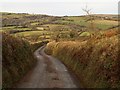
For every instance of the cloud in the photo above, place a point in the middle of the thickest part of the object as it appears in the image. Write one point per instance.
(60, 8)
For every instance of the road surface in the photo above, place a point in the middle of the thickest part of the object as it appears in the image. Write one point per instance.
(48, 73)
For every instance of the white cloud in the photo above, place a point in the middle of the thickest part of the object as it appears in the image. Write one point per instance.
(60, 8)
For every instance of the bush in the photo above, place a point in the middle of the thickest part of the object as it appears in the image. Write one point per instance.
(95, 62)
(85, 34)
(38, 44)
(17, 59)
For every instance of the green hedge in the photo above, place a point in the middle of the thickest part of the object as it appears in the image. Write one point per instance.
(17, 59)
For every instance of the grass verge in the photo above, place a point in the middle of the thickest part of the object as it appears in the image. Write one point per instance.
(95, 62)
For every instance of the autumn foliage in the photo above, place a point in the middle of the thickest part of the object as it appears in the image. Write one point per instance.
(96, 62)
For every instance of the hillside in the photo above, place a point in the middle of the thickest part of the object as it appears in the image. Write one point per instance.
(37, 27)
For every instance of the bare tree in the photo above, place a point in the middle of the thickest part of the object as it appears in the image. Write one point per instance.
(90, 17)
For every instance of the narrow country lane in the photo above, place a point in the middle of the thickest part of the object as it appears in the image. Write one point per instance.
(48, 73)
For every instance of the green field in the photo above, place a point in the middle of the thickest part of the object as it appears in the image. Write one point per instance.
(28, 25)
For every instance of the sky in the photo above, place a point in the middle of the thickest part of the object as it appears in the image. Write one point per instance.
(59, 7)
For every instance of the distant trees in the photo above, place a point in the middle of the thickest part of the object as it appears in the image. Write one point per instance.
(35, 37)
(56, 36)
(56, 33)
(73, 34)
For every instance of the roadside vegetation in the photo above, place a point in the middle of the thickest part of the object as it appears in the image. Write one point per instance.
(95, 62)
(17, 59)
(87, 45)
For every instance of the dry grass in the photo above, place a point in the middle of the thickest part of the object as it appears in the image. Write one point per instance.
(96, 61)
(106, 22)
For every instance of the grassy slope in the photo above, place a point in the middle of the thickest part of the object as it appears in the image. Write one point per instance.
(95, 62)
(101, 24)
(27, 25)
(17, 59)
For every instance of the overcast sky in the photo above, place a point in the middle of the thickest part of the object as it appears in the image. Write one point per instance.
(59, 7)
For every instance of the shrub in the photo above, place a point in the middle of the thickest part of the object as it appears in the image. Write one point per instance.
(95, 62)
(38, 44)
(85, 34)
(17, 59)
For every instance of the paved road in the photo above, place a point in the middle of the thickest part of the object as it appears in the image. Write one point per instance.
(48, 73)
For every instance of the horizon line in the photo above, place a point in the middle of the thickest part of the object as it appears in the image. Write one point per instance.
(57, 15)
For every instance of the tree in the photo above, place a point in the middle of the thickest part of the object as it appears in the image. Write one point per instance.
(35, 38)
(56, 33)
(90, 17)
(72, 34)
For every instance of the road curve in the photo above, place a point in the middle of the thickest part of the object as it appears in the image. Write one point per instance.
(49, 72)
